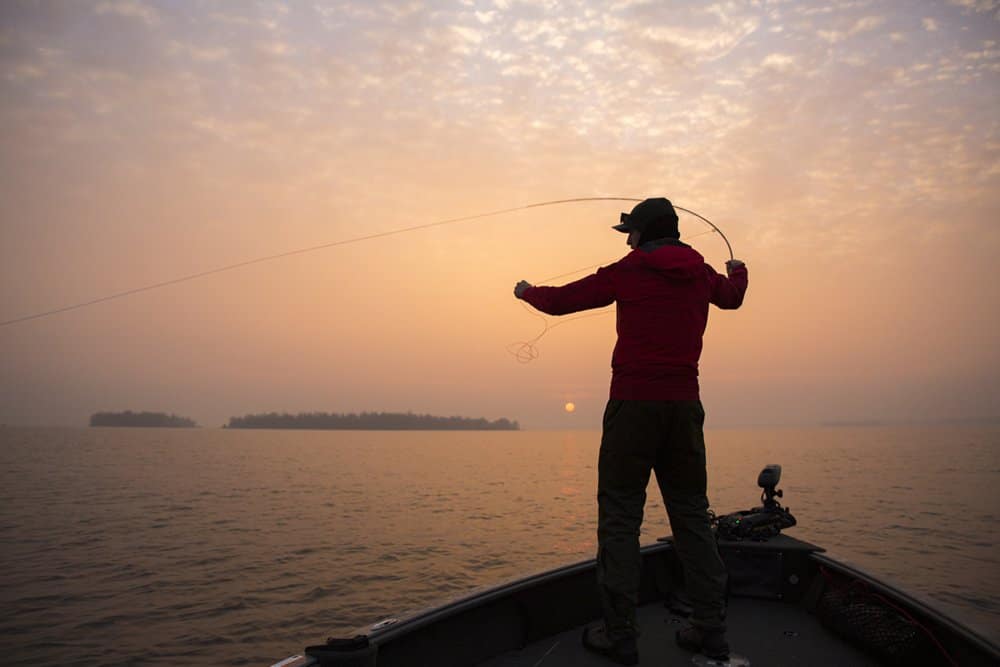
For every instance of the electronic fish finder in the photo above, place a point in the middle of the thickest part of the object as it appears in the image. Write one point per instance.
(761, 522)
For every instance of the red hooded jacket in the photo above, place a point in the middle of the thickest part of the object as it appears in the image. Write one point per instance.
(662, 291)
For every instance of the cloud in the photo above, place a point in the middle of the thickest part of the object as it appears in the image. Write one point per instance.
(978, 6)
(988, 52)
(832, 36)
(930, 25)
(781, 62)
(862, 25)
(598, 47)
(866, 24)
(525, 80)
(273, 48)
(703, 44)
(129, 9)
(20, 73)
(198, 53)
(470, 35)
(531, 30)
(557, 41)
(399, 11)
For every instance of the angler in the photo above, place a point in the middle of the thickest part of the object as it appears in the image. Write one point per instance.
(653, 421)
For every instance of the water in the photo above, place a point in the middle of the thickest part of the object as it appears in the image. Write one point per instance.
(195, 547)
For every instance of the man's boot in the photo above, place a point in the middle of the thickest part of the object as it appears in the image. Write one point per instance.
(710, 643)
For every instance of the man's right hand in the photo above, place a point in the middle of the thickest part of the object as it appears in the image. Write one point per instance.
(520, 288)
(733, 264)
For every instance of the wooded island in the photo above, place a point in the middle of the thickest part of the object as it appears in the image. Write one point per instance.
(151, 419)
(375, 421)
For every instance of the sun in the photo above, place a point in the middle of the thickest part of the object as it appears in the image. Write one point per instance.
(570, 407)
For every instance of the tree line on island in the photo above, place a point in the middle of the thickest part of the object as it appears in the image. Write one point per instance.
(378, 421)
(366, 421)
(129, 418)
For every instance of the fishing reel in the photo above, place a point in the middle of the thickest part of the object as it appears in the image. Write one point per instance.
(762, 522)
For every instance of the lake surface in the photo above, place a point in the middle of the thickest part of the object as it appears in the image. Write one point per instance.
(229, 547)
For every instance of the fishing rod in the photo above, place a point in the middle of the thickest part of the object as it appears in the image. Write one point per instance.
(356, 239)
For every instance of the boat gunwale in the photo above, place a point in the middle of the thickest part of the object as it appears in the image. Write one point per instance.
(489, 593)
(924, 606)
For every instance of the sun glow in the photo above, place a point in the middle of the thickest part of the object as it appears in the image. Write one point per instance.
(570, 407)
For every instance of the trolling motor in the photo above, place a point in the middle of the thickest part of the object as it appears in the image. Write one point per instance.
(762, 522)
(767, 480)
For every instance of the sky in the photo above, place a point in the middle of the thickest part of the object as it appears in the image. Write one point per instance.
(849, 151)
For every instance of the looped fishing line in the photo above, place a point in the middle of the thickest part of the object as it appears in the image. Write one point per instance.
(526, 351)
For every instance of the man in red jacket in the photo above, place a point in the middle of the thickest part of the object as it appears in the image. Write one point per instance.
(653, 421)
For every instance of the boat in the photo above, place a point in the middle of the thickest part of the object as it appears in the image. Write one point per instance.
(790, 604)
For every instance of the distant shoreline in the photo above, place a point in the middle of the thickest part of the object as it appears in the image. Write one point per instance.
(945, 421)
(832, 424)
(141, 419)
(369, 421)
(313, 421)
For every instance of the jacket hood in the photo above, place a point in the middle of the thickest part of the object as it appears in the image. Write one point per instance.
(670, 258)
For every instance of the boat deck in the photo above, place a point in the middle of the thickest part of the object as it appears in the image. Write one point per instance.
(765, 632)
(779, 589)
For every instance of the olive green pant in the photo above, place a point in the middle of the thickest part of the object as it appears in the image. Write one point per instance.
(665, 437)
